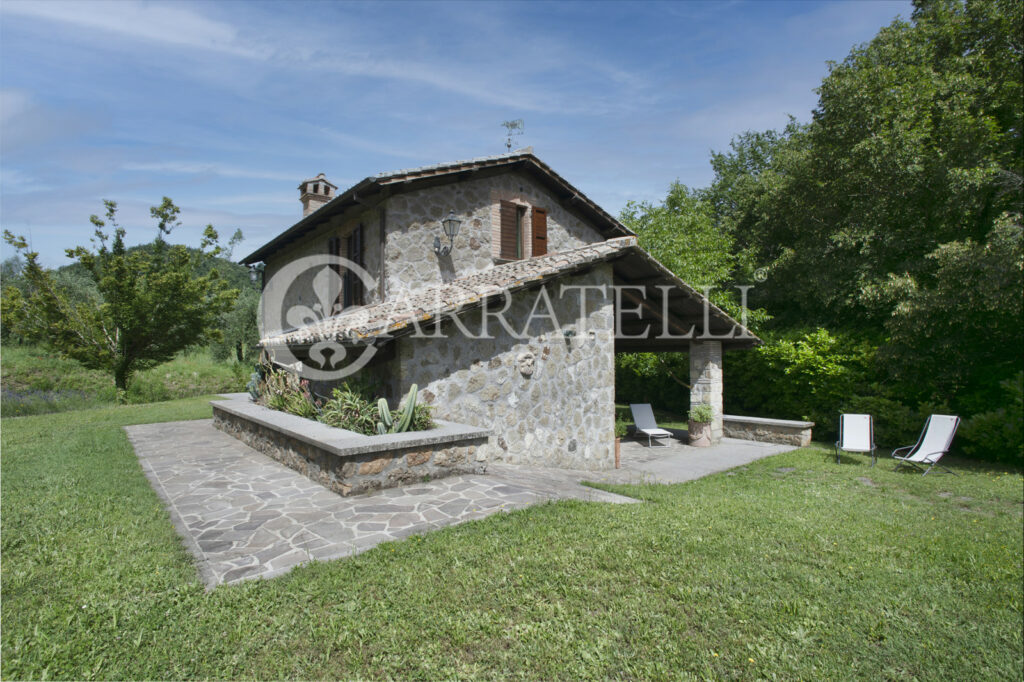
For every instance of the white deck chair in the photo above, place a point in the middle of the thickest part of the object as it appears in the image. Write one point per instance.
(643, 418)
(856, 434)
(931, 446)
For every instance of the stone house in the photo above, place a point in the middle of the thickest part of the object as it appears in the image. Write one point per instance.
(513, 328)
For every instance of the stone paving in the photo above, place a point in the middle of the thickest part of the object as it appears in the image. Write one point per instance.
(244, 516)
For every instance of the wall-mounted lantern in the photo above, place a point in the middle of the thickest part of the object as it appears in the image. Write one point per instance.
(451, 230)
(256, 276)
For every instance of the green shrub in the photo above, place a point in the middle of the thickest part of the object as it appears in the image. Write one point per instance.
(895, 424)
(701, 414)
(39, 381)
(809, 376)
(349, 409)
(998, 434)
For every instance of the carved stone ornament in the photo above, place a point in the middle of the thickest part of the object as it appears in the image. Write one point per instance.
(526, 362)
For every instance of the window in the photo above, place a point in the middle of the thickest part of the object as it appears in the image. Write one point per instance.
(509, 247)
(334, 249)
(516, 228)
(353, 290)
(539, 232)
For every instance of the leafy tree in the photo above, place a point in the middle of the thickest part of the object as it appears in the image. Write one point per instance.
(682, 234)
(893, 216)
(239, 328)
(915, 142)
(150, 304)
(961, 336)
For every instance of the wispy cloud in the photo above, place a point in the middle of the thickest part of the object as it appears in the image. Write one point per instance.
(182, 26)
(201, 168)
(170, 24)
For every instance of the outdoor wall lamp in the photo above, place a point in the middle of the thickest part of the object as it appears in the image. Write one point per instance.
(255, 272)
(451, 230)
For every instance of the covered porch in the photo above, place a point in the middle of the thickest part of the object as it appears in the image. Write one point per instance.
(656, 312)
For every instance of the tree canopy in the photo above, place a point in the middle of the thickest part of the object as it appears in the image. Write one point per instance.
(147, 303)
(892, 218)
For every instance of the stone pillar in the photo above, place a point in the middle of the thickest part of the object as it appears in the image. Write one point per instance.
(706, 381)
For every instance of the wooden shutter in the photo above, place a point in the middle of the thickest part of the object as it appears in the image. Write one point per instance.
(508, 247)
(334, 249)
(540, 232)
(353, 283)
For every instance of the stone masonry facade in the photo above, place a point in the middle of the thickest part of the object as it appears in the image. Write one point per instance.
(399, 232)
(549, 398)
(414, 219)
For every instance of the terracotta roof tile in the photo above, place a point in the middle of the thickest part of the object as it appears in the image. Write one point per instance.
(383, 319)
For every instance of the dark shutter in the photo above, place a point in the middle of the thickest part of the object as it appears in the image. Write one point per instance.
(353, 283)
(540, 232)
(334, 249)
(508, 247)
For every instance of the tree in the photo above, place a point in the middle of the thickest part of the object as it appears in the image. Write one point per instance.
(150, 303)
(682, 234)
(240, 328)
(916, 141)
(961, 335)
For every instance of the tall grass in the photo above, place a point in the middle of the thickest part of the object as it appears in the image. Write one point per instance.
(38, 381)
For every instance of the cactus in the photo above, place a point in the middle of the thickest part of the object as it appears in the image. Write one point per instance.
(405, 420)
(387, 423)
(385, 415)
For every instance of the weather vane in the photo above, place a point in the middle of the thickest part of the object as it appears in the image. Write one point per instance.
(513, 129)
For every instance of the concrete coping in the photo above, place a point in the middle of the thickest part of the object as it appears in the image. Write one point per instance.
(768, 422)
(341, 442)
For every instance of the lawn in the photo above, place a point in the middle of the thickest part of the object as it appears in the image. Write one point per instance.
(793, 567)
(38, 381)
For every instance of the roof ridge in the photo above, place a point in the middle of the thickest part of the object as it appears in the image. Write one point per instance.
(460, 162)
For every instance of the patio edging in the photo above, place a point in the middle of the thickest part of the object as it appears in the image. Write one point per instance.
(765, 430)
(350, 463)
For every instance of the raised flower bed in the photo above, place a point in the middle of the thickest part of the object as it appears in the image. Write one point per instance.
(347, 462)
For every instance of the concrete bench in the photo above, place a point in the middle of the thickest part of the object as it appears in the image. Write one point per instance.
(784, 431)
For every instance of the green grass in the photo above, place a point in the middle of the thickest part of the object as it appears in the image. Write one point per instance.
(824, 572)
(37, 381)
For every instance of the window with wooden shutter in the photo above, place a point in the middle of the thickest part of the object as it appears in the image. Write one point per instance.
(353, 291)
(510, 245)
(540, 232)
(334, 249)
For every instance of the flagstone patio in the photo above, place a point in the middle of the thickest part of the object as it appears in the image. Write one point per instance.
(244, 515)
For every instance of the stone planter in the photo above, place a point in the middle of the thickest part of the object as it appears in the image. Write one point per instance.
(350, 463)
(700, 434)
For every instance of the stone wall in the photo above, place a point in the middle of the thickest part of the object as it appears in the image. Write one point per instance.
(413, 220)
(765, 430)
(363, 470)
(561, 413)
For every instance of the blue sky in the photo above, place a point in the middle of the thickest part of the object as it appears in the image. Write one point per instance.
(226, 106)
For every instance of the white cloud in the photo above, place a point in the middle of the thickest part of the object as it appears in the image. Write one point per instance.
(149, 22)
(183, 26)
(200, 168)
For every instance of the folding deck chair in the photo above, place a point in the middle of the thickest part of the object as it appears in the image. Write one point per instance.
(643, 418)
(931, 446)
(856, 434)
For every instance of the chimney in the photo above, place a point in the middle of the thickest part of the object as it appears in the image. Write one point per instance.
(314, 193)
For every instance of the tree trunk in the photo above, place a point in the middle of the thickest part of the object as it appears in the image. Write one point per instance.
(121, 376)
(238, 351)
